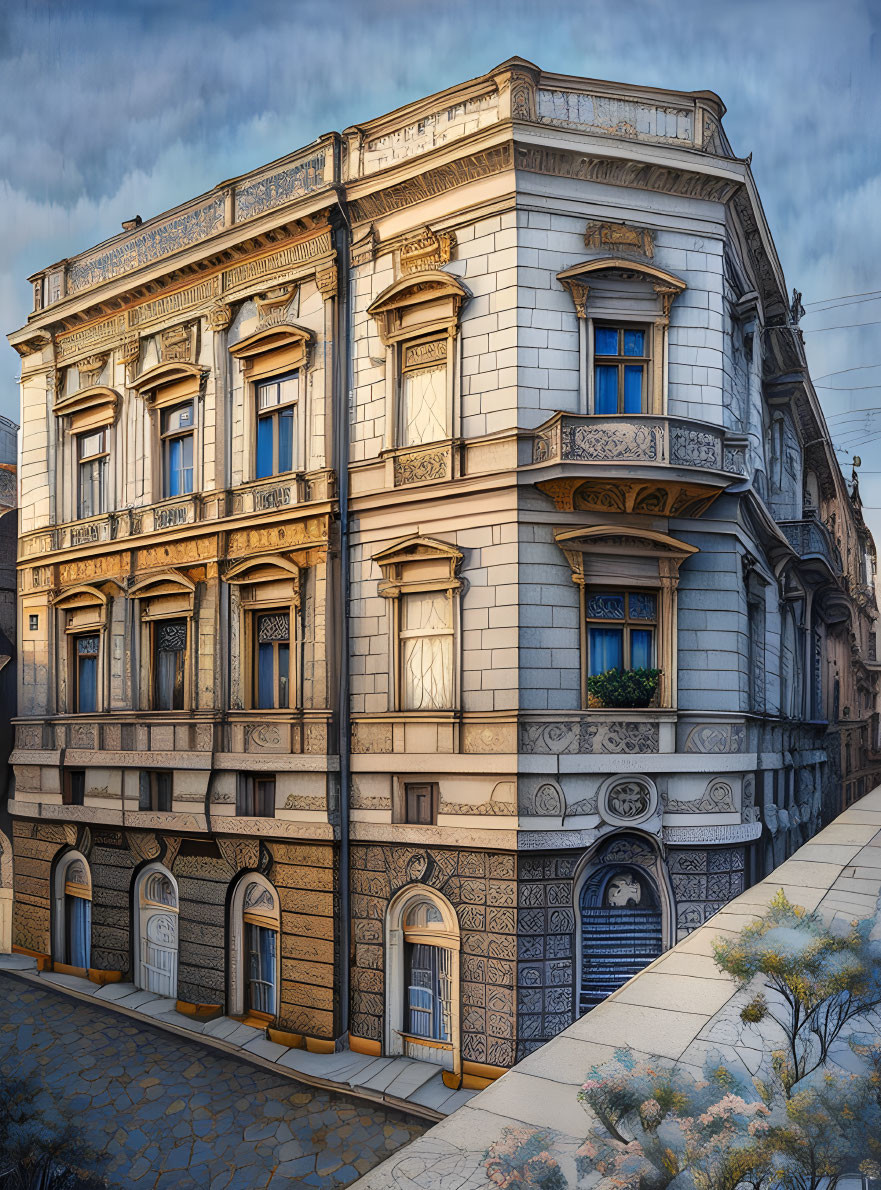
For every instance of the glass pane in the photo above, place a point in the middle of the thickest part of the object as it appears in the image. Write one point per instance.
(264, 798)
(633, 388)
(606, 649)
(86, 494)
(428, 678)
(165, 680)
(91, 444)
(79, 931)
(175, 455)
(641, 648)
(264, 447)
(289, 389)
(267, 395)
(87, 685)
(634, 342)
(424, 414)
(606, 395)
(180, 418)
(605, 341)
(643, 606)
(286, 440)
(605, 606)
(431, 611)
(187, 462)
(283, 668)
(265, 676)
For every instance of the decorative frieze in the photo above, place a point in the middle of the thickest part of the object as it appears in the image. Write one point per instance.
(588, 736)
(611, 115)
(426, 250)
(608, 238)
(86, 339)
(279, 187)
(275, 263)
(744, 832)
(422, 466)
(718, 798)
(716, 737)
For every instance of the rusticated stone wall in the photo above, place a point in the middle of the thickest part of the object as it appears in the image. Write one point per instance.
(111, 864)
(35, 846)
(481, 887)
(203, 882)
(305, 876)
(545, 948)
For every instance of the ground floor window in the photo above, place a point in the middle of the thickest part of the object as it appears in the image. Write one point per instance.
(260, 947)
(73, 908)
(254, 948)
(429, 992)
(621, 929)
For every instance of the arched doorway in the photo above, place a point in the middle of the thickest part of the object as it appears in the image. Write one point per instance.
(621, 917)
(422, 978)
(73, 911)
(157, 934)
(254, 948)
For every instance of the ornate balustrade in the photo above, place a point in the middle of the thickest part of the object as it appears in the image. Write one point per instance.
(811, 539)
(639, 439)
(273, 495)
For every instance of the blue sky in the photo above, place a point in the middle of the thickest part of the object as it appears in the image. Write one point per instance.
(115, 108)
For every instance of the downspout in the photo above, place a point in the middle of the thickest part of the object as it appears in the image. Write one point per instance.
(342, 389)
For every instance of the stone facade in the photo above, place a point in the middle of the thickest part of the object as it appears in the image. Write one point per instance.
(449, 787)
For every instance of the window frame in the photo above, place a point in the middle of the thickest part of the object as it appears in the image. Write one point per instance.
(273, 415)
(150, 791)
(401, 802)
(167, 438)
(627, 624)
(404, 370)
(71, 796)
(621, 361)
(155, 626)
(76, 679)
(248, 795)
(98, 463)
(403, 634)
(254, 614)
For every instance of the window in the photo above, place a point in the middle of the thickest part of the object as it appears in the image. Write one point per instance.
(73, 791)
(85, 650)
(426, 636)
(72, 930)
(423, 411)
(255, 796)
(276, 424)
(272, 635)
(155, 791)
(417, 803)
(177, 449)
(621, 629)
(428, 1006)
(253, 948)
(620, 369)
(92, 453)
(169, 656)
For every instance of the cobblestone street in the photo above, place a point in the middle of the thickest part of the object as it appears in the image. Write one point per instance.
(172, 1113)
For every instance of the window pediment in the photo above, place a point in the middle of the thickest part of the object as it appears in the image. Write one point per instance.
(265, 568)
(659, 552)
(271, 338)
(169, 381)
(577, 280)
(77, 597)
(163, 582)
(418, 303)
(98, 402)
(418, 563)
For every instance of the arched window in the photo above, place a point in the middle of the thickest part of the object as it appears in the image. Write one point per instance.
(254, 949)
(73, 911)
(423, 978)
(156, 903)
(620, 929)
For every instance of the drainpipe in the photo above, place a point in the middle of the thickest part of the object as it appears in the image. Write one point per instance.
(342, 362)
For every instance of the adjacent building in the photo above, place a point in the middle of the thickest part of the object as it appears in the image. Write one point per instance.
(437, 590)
(8, 681)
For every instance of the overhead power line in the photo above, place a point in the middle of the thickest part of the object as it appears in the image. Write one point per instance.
(841, 371)
(844, 326)
(841, 296)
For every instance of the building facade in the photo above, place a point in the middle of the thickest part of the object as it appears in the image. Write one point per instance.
(8, 681)
(437, 590)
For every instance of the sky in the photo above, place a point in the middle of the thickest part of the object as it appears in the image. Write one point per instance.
(116, 107)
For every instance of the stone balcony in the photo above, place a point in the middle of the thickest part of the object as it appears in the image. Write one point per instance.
(264, 496)
(813, 542)
(642, 463)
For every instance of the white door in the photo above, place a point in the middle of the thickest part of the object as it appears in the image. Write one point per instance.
(159, 952)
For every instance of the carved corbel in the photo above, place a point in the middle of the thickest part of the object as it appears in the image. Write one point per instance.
(580, 293)
(272, 305)
(90, 368)
(219, 316)
(666, 293)
(130, 353)
(326, 280)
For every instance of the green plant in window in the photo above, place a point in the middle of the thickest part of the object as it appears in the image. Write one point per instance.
(623, 687)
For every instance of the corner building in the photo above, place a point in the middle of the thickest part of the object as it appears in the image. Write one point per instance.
(342, 487)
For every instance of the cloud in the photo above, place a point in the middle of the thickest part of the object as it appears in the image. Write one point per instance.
(118, 107)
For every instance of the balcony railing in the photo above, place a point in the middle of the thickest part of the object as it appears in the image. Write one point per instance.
(272, 495)
(811, 539)
(640, 438)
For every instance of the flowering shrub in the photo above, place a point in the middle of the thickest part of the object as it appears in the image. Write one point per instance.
(520, 1158)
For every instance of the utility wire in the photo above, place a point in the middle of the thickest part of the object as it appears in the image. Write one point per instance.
(844, 326)
(841, 297)
(857, 368)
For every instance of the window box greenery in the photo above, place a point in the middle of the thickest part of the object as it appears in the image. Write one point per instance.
(623, 688)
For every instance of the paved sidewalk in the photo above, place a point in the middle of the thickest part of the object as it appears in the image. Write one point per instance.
(403, 1083)
(172, 1113)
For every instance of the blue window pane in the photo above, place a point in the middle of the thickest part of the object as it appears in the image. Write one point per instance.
(264, 447)
(79, 931)
(175, 456)
(265, 683)
(605, 607)
(643, 606)
(87, 684)
(633, 388)
(187, 465)
(606, 341)
(286, 440)
(634, 342)
(606, 397)
(641, 648)
(606, 649)
(283, 668)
